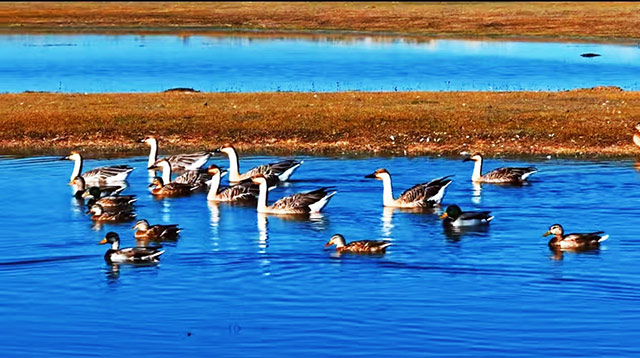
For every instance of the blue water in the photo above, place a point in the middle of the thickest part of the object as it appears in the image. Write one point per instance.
(239, 284)
(137, 63)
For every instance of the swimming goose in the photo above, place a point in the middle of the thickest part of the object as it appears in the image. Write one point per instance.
(170, 189)
(636, 135)
(100, 214)
(196, 178)
(80, 187)
(282, 169)
(245, 190)
(419, 196)
(358, 247)
(155, 232)
(192, 161)
(504, 175)
(455, 217)
(299, 203)
(109, 203)
(128, 254)
(107, 174)
(574, 241)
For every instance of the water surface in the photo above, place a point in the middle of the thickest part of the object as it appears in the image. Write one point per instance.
(236, 283)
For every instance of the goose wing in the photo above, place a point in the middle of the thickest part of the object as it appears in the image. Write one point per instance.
(104, 173)
(193, 177)
(271, 169)
(181, 161)
(426, 191)
(509, 174)
(301, 201)
(243, 191)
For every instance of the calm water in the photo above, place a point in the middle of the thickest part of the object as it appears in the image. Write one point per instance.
(244, 285)
(135, 63)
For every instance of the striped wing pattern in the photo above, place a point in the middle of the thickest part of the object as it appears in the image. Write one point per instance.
(507, 175)
(271, 169)
(422, 194)
(366, 246)
(104, 173)
(300, 202)
(181, 161)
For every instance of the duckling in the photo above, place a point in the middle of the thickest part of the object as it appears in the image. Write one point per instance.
(358, 247)
(574, 241)
(419, 196)
(100, 214)
(283, 169)
(109, 203)
(80, 187)
(102, 175)
(636, 135)
(129, 254)
(455, 217)
(171, 189)
(155, 232)
(300, 203)
(503, 175)
(192, 161)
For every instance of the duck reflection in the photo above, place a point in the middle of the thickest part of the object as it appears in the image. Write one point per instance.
(113, 270)
(455, 234)
(558, 255)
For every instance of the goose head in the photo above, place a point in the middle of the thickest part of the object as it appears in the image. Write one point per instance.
(337, 240)
(259, 179)
(214, 170)
(72, 156)
(379, 174)
(149, 140)
(473, 158)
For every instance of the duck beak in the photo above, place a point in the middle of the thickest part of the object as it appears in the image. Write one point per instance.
(104, 241)
(547, 233)
(328, 244)
(444, 216)
(372, 175)
(151, 185)
(86, 194)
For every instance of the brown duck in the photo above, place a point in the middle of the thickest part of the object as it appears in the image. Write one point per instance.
(358, 247)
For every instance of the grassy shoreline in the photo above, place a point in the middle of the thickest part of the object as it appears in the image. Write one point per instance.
(594, 122)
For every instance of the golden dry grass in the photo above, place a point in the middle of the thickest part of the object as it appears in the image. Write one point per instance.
(580, 122)
(605, 20)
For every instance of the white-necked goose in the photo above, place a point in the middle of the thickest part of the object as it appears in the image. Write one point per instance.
(196, 178)
(503, 175)
(191, 161)
(422, 195)
(283, 169)
(300, 203)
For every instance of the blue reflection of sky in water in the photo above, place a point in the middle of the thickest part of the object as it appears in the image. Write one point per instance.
(135, 63)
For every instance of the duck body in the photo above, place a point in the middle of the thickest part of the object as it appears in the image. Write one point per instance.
(155, 232)
(358, 247)
(80, 188)
(130, 254)
(100, 176)
(455, 217)
(503, 175)
(109, 203)
(191, 161)
(300, 203)
(575, 241)
(283, 169)
(425, 195)
(102, 215)
(171, 189)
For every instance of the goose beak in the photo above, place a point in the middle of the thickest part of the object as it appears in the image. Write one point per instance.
(223, 173)
(217, 150)
(546, 233)
(467, 159)
(64, 158)
(142, 140)
(372, 175)
(104, 241)
(444, 216)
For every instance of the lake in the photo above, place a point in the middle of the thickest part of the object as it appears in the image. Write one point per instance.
(246, 63)
(237, 283)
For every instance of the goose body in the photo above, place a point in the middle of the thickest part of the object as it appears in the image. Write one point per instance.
(130, 254)
(455, 217)
(283, 169)
(419, 196)
(101, 175)
(244, 191)
(575, 241)
(636, 135)
(300, 203)
(102, 215)
(197, 179)
(80, 187)
(171, 189)
(503, 175)
(358, 247)
(155, 232)
(191, 161)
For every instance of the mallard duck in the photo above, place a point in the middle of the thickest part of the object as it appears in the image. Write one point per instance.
(419, 196)
(109, 203)
(196, 178)
(100, 214)
(155, 232)
(358, 247)
(455, 217)
(171, 189)
(192, 161)
(80, 187)
(299, 203)
(129, 254)
(574, 241)
(636, 135)
(102, 175)
(283, 169)
(504, 175)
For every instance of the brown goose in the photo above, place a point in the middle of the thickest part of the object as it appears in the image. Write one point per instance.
(358, 247)
(300, 203)
(574, 241)
(283, 169)
(419, 196)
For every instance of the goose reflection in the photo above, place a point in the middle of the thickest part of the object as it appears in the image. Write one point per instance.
(476, 197)
(387, 221)
(214, 222)
(263, 243)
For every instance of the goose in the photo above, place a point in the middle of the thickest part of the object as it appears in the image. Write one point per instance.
(358, 247)
(419, 196)
(107, 174)
(574, 241)
(246, 190)
(129, 254)
(192, 161)
(155, 232)
(196, 178)
(171, 189)
(455, 217)
(299, 203)
(109, 203)
(636, 135)
(283, 169)
(100, 214)
(80, 187)
(504, 175)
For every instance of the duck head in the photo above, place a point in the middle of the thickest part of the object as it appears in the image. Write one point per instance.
(142, 225)
(111, 238)
(379, 174)
(96, 209)
(473, 158)
(337, 240)
(555, 229)
(94, 192)
(453, 212)
(157, 183)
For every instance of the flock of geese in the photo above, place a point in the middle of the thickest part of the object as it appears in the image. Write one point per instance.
(101, 188)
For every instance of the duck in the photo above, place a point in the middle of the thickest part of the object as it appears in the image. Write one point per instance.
(155, 232)
(503, 175)
(196, 178)
(101, 175)
(423, 195)
(192, 161)
(300, 203)
(129, 254)
(283, 169)
(575, 241)
(171, 189)
(357, 247)
(636, 135)
(109, 203)
(80, 187)
(455, 217)
(100, 214)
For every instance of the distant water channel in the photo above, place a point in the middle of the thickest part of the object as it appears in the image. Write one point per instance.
(242, 63)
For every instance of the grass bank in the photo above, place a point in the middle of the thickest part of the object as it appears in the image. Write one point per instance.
(591, 122)
(568, 20)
